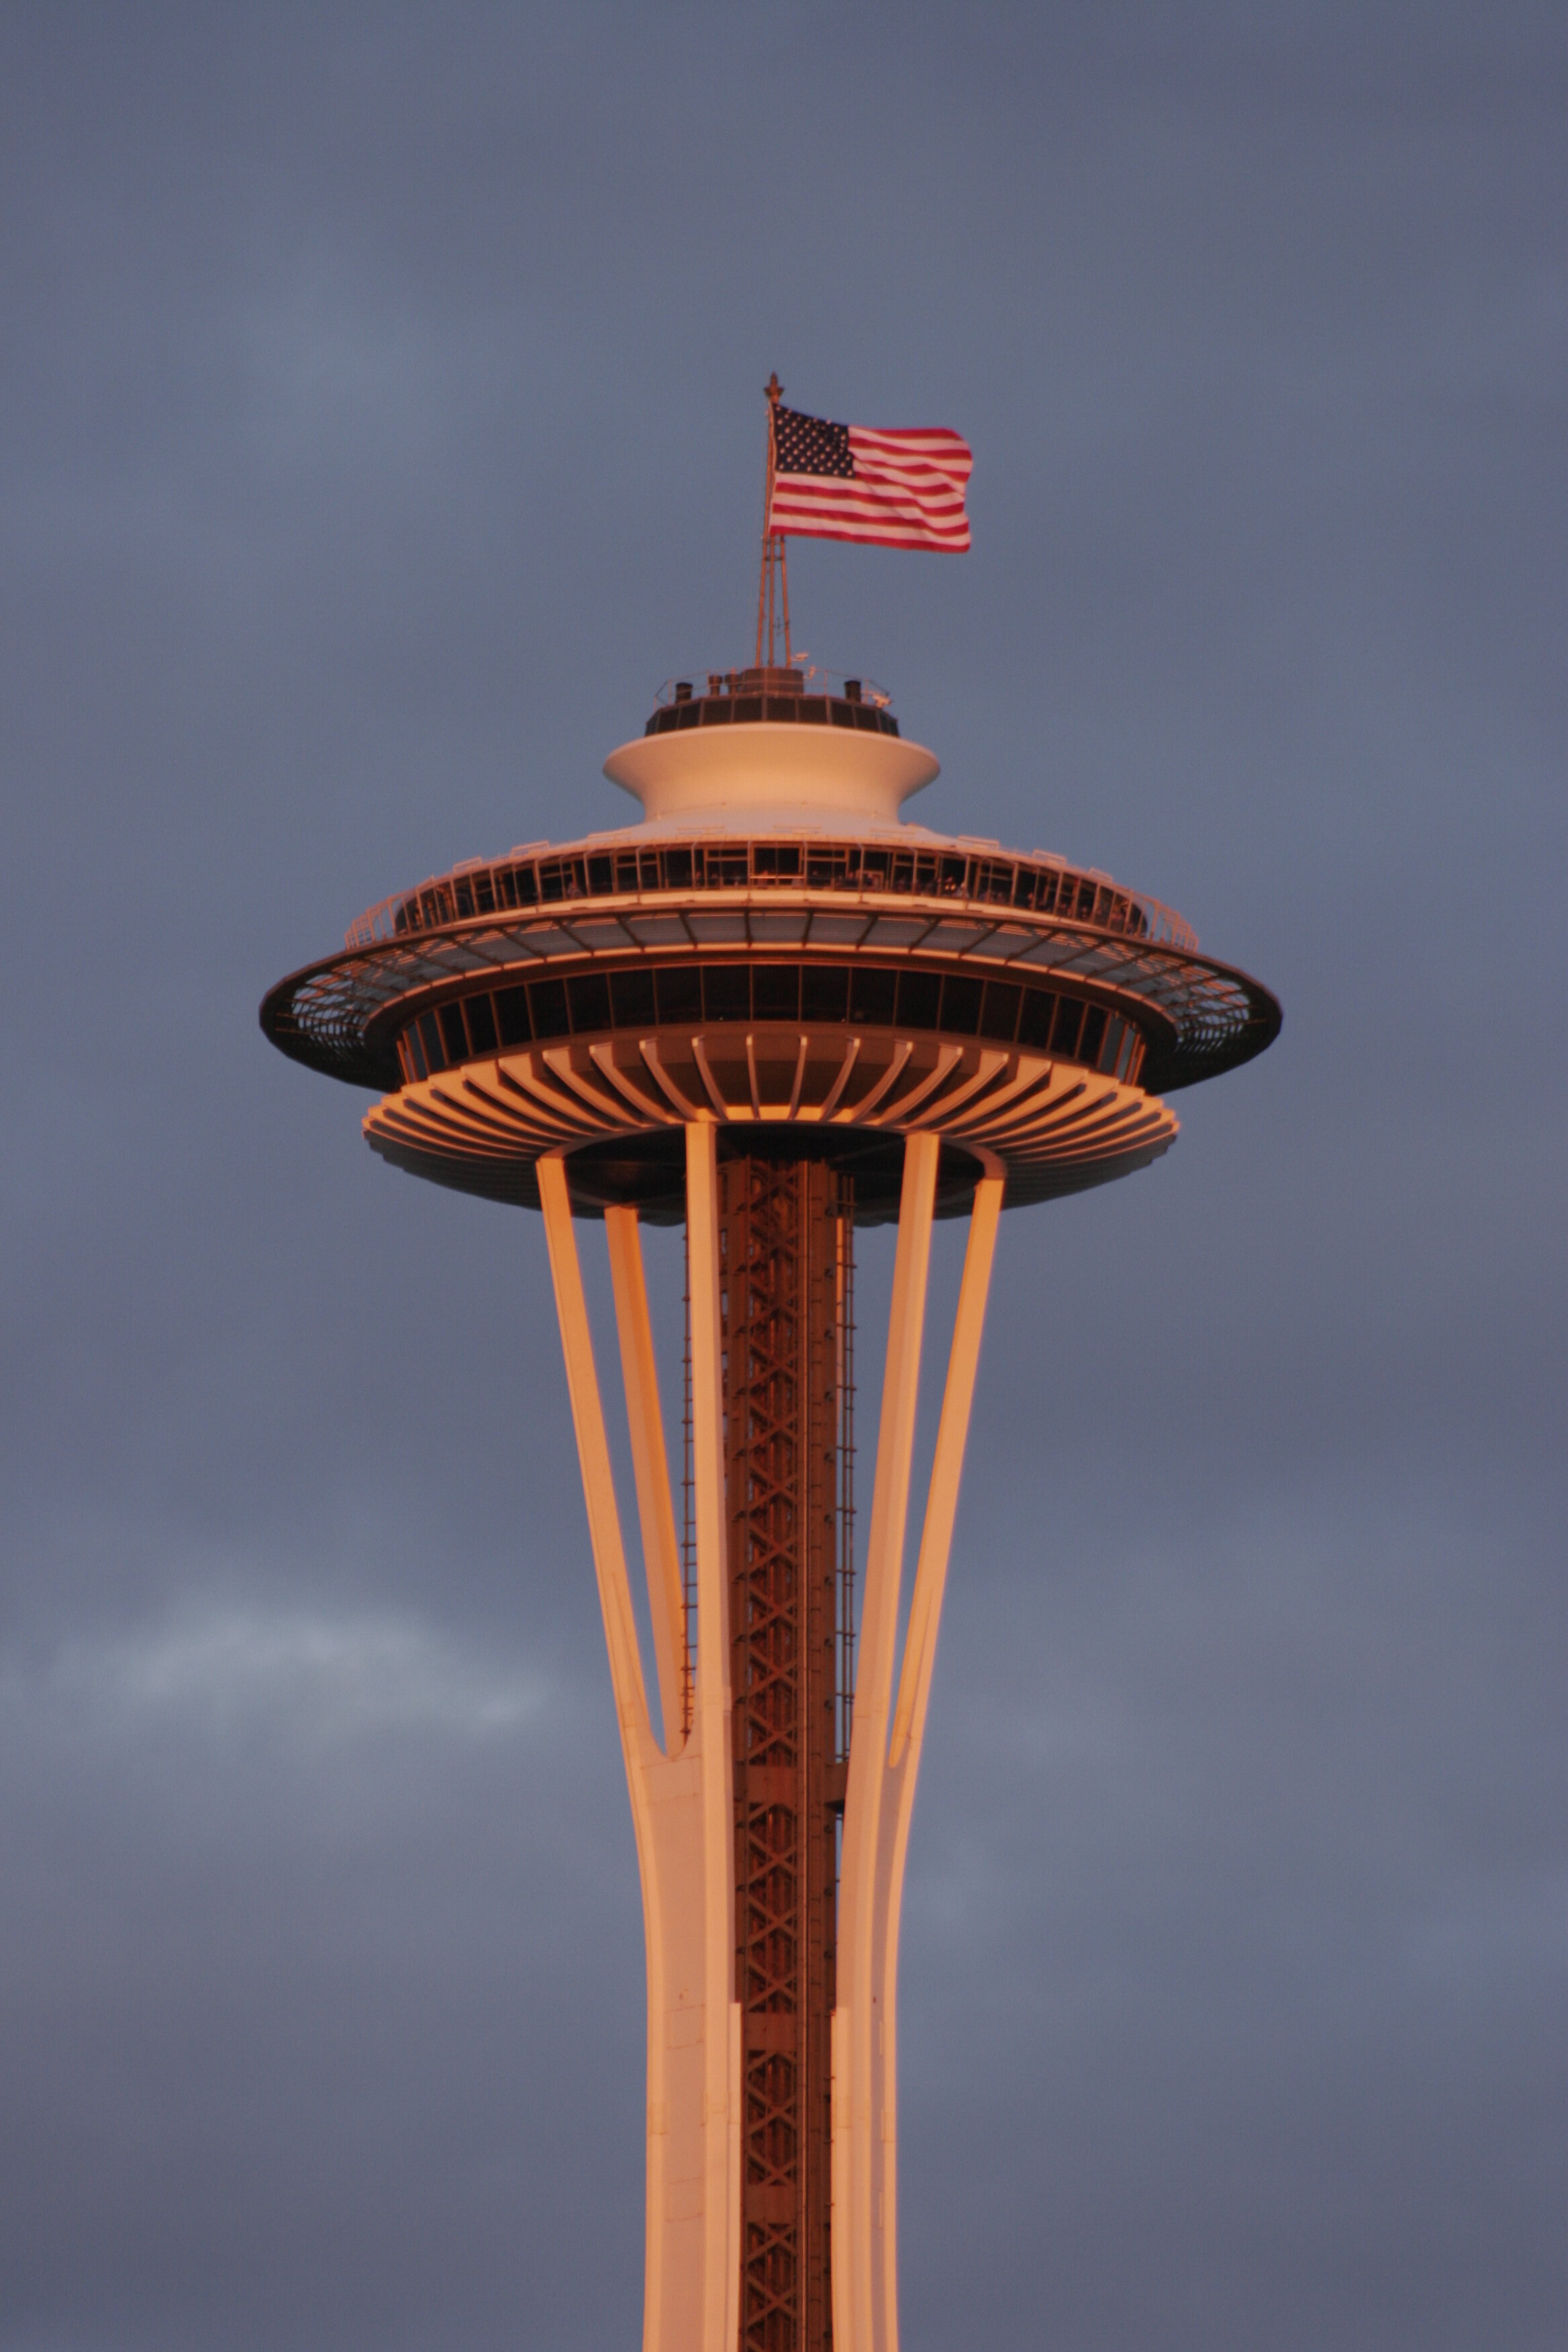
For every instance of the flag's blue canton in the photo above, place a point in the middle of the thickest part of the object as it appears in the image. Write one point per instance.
(809, 444)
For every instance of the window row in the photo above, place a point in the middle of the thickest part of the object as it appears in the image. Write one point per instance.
(731, 865)
(682, 996)
(793, 710)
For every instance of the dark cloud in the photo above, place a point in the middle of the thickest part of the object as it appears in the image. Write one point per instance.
(381, 424)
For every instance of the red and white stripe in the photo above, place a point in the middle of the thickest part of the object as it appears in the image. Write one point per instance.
(906, 490)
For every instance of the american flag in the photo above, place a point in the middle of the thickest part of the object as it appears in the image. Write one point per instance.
(851, 481)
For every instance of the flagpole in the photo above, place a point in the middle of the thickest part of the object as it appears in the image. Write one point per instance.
(773, 583)
(772, 388)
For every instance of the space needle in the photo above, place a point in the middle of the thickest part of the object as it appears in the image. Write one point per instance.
(774, 1011)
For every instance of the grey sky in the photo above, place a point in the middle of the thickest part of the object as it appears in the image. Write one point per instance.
(380, 421)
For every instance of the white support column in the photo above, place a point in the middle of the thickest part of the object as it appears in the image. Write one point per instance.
(914, 1691)
(859, 2024)
(722, 2038)
(947, 1469)
(682, 1805)
(594, 1452)
(650, 1466)
(681, 1812)
(882, 1773)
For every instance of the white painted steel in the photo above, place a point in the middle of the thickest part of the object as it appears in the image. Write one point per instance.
(914, 1692)
(1048, 1126)
(861, 2084)
(947, 1470)
(650, 1468)
(722, 2062)
(682, 1802)
(735, 776)
(678, 1803)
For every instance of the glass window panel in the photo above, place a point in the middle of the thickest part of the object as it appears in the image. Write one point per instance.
(960, 1004)
(872, 996)
(548, 939)
(1064, 1036)
(727, 992)
(511, 1010)
(547, 1004)
(453, 1035)
(481, 1024)
(430, 1038)
(679, 993)
(631, 996)
(588, 999)
(779, 926)
(1093, 1036)
(999, 1016)
(776, 991)
(950, 937)
(824, 992)
(920, 999)
(1035, 1021)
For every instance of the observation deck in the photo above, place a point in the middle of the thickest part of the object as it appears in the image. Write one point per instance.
(774, 947)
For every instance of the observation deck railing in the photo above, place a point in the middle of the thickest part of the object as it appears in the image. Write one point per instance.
(978, 877)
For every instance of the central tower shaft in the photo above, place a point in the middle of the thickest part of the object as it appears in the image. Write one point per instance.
(785, 1248)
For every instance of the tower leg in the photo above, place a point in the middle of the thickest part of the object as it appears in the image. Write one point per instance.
(680, 1810)
(723, 2107)
(884, 1760)
(661, 1551)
